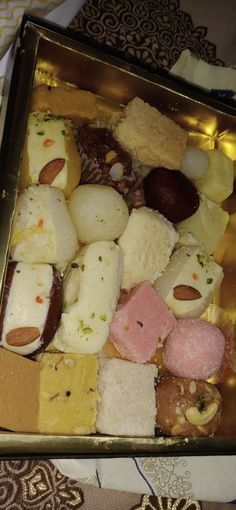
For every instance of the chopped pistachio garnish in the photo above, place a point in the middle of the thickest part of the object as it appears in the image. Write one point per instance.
(103, 317)
(87, 330)
(200, 403)
(81, 324)
(202, 259)
(209, 280)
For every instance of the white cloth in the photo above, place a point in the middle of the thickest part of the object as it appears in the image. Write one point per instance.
(207, 76)
(11, 13)
(204, 478)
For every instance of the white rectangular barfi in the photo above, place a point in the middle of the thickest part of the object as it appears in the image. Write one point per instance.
(127, 404)
(146, 243)
(189, 281)
(92, 289)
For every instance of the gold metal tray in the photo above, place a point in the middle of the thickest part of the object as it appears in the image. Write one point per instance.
(45, 53)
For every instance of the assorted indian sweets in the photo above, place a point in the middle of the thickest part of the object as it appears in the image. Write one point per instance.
(111, 268)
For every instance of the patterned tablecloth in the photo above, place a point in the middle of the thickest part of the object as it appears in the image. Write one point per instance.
(39, 486)
(154, 32)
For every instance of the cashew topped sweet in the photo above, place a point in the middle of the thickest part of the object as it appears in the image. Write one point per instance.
(188, 407)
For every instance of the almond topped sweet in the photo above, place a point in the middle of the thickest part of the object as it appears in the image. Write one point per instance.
(22, 336)
(189, 281)
(31, 309)
(51, 170)
(186, 292)
(50, 155)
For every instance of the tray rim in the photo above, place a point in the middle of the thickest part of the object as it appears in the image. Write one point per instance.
(14, 445)
(116, 57)
(17, 445)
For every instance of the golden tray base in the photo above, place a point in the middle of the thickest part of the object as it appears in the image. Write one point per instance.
(43, 53)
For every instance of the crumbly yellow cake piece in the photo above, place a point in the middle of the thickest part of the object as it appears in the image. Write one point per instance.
(68, 394)
(152, 138)
(75, 104)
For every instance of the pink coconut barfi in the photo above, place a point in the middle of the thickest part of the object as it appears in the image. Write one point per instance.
(141, 324)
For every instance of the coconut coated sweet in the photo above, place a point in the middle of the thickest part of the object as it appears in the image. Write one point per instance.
(194, 349)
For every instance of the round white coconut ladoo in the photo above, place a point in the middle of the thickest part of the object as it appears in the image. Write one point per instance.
(194, 163)
(99, 213)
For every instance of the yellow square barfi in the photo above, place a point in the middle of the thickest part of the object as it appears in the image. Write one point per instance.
(68, 394)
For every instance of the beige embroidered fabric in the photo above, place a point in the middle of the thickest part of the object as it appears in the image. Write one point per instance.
(11, 14)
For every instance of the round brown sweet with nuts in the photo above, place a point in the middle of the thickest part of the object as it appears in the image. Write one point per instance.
(187, 407)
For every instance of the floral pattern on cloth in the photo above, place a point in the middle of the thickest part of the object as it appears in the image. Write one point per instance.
(153, 503)
(168, 475)
(38, 486)
(154, 32)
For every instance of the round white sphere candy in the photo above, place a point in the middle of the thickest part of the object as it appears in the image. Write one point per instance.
(99, 213)
(194, 163)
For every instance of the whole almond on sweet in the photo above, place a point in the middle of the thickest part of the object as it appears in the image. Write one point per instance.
(22, 336)
(186, 293)
(51, 170)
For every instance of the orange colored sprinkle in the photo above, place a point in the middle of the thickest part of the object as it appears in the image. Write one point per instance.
(40, 223)
(39, 300)
(48, 142)
(195, 276)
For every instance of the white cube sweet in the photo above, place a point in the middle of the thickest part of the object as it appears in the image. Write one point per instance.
(127, 404)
